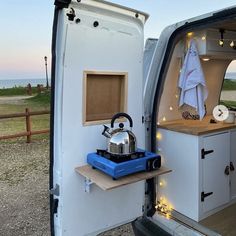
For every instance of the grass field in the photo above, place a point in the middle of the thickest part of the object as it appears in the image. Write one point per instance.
(37, 103)
(16, 91)
(229, 84)
(229, 103)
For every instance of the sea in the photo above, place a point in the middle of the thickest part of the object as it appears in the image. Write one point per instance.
(10, 83)
(230, 75)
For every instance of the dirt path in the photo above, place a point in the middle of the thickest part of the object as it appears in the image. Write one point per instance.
(12, 99)
(228, 95)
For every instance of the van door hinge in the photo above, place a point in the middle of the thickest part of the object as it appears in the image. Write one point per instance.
(204, 153)
(55, 205)
(55, 191)
(146, 118)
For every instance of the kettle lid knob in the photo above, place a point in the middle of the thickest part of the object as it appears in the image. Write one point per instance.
(121, 125)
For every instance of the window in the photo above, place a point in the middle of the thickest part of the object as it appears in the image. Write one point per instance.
(105, 94)
(228, 93)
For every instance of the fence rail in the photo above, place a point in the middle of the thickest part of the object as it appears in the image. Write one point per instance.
(29, 132)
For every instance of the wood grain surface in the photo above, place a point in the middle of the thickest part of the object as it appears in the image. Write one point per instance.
(196, 127)
(106, 182)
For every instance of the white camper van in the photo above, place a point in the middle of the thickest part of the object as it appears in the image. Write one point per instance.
(99, 68)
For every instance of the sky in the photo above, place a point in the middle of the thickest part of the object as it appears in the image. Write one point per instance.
(26, 29)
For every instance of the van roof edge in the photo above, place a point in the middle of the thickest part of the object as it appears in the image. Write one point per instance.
(146, 15)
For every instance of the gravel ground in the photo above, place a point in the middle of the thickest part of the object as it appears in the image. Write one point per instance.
(23, 189)
(24, 203)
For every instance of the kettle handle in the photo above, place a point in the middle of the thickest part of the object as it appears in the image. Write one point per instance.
(118, 115)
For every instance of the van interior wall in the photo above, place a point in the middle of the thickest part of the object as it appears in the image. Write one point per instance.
(214, 71)
(168, 108)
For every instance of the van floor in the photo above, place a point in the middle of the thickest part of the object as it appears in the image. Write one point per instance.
(222, 222)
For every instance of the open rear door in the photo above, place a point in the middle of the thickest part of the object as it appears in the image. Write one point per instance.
(97, 70)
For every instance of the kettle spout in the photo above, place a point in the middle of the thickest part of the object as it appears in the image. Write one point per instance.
(106, 132)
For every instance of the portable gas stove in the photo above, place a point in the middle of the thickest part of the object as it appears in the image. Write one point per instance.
(121, 165)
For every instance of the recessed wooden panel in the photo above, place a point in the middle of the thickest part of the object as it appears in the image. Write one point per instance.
(105, 95)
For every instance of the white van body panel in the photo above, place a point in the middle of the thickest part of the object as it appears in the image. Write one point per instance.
(115, 46)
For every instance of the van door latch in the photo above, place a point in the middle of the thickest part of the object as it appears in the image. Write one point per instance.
(204, 195)
(204, 153)
(146, 118)
(55, 191)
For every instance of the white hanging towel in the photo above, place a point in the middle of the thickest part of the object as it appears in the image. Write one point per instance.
(192, 82)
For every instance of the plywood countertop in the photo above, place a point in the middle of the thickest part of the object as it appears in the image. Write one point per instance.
(196, 127)
(106, 182)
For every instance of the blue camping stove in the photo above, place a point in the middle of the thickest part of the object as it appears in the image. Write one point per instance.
(118, 166)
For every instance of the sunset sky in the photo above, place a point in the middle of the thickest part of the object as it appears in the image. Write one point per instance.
(26, 29)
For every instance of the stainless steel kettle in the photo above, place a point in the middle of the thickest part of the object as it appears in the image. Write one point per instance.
(120, 141)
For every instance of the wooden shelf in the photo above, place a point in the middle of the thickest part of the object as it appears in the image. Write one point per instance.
(106, 182)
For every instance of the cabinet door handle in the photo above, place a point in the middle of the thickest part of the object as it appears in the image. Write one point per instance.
(232, 166)
(227, 168)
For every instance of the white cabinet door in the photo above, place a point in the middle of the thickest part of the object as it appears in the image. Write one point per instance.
(215, 180)
(233, 161)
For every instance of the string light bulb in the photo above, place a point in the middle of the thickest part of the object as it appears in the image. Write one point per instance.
(159, 136)
(232, 44)
(221, 42)
(206, 59)
(190, 34)
(164, 208)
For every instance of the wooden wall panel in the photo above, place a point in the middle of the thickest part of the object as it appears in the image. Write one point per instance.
(105, 95)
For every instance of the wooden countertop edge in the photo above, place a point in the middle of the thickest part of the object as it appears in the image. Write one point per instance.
(167, 127)
(106, 182)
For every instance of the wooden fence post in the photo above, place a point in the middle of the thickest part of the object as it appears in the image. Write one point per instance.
(28, 125)
(29, 132)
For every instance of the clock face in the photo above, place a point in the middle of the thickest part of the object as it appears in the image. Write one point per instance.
(220, 112)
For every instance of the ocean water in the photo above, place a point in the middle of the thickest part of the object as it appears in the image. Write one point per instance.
(230, 75)
(10, 83)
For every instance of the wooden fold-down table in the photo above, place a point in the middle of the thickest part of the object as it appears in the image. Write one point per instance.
(106, 182)
(196, 127)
